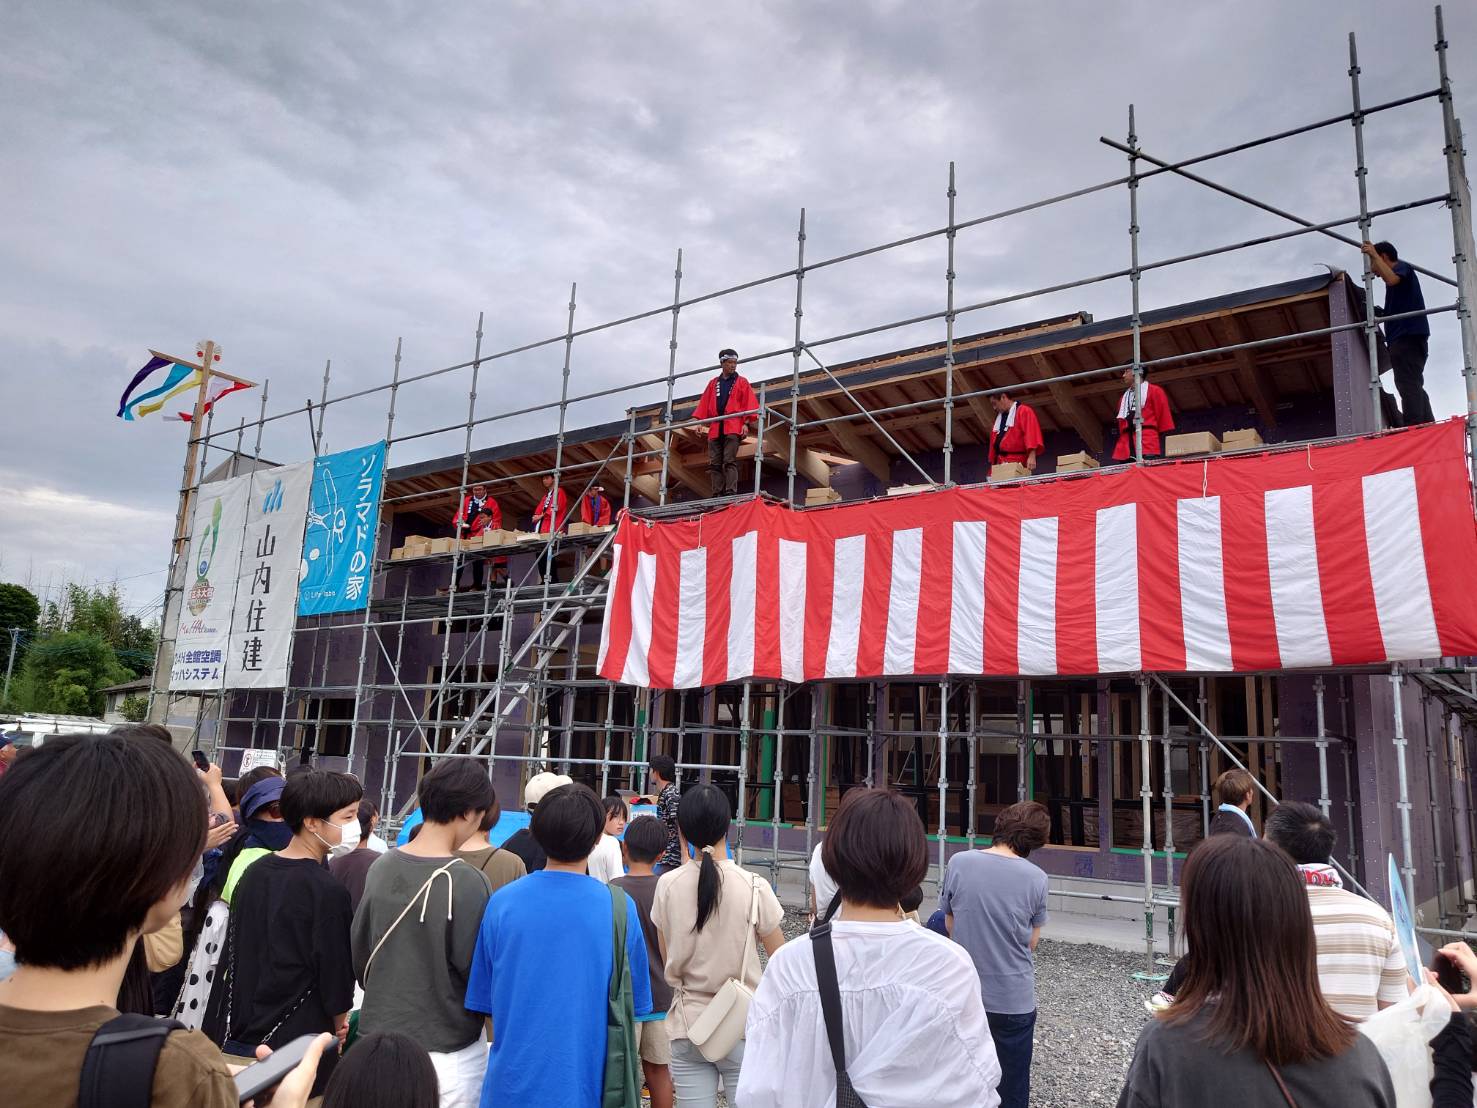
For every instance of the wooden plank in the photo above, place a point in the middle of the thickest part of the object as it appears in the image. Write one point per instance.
(677, 469)
(850, 439)
(807, 465)
(1062, 393)
(1255, 382)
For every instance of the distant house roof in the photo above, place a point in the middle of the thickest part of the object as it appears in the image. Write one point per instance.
(130, 686)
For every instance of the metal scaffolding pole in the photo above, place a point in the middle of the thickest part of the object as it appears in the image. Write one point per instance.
(1397, 680)
(743, 771)
(1460, 203)
(759, 430)
(949, 343)
(795, 371)
(1435, 809)
(1136, 396)
(1202, 703)
(1371, 332)
(369, 597)
(671, 378)
(1146, 798)
(974, 717)
(943, 740)
(1323, 801)
(812, 770)
(776, 809)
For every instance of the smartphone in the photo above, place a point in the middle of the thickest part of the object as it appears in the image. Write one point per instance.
(1449, 975)
(257, 1078)
(202, 763)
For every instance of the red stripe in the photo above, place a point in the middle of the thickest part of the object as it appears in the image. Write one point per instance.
(1002, 595)
(715, 632)
(1343, 571)
(618, 643)
(935, 600)
(767, 605)
(1449, 537)
(1249, 619)
(661, 659)
(820, 580)
(1076, 593)
(876, 588)
(1161, 615)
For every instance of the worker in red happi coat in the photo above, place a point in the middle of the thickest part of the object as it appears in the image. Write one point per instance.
(1158, 420)
(549, 516)
(595, 508)
(1016, 433)
(728, 392)
(479, 513)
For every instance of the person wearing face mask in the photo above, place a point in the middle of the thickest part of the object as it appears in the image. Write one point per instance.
(286, 968)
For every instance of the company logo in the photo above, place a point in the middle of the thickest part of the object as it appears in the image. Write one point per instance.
(273, 500)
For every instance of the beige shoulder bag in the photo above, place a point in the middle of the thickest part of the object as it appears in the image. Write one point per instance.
(718, 1030)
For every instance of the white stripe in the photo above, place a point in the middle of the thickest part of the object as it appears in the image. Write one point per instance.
(902, 601)
(1116, 581)
(643, 592)
(1036, 631)
(792, 610)
(1397, 566)
(1297, 593)
(967, 599)
(741, 606)
(692, 618)
(615, 565)
(846, 606)
(1203, 585)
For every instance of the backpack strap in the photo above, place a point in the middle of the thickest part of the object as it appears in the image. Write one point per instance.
(118, 1069)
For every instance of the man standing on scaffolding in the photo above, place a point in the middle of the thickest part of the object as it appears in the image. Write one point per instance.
(728, 392)
(1406, 339)
(1016, 434)
(478, 513)
(1158, 420)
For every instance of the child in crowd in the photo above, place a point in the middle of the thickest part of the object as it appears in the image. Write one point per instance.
(605, 862)
(646, 838)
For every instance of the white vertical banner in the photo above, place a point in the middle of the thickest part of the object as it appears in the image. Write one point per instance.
(203, 638)
(271, 567)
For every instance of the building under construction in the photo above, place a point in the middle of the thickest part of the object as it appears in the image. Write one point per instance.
(1123, 760)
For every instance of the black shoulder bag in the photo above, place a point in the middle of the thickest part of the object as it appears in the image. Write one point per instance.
(830, 990)
(118, 1069)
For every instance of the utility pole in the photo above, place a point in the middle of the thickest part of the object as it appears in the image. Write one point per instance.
(15, 634)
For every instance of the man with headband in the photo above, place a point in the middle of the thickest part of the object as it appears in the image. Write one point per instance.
(727, 394)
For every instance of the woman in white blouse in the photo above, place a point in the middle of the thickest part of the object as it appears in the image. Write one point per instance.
(606, 863)
(913, 1023)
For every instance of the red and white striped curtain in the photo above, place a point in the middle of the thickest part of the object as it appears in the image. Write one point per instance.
(1351, 553)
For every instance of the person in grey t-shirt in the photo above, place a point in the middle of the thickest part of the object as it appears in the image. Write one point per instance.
(994, 904)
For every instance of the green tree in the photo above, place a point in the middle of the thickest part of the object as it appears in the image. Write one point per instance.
(66, 674)
(135, 708)
(18, 608)
(98, 610)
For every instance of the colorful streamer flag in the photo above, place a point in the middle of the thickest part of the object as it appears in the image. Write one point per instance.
(219, 387)
(160, 380)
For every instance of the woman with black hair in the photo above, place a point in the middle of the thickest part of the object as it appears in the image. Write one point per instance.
(606, 862)
(908, 1000)
(384, 1070)
(708, 913)
(1249, 1027)
(286, 968)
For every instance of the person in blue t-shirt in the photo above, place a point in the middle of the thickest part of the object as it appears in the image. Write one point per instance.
(1406, 339)
(543, 964)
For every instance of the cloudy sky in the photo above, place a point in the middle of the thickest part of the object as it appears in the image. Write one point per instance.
(303, 182)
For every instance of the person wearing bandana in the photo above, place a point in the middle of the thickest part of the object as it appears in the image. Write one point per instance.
(595, 508)
(1158, 420)
(726, 394)
(1016, 433)
(478, 513)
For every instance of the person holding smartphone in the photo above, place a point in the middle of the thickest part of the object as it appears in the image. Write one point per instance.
(67, 810)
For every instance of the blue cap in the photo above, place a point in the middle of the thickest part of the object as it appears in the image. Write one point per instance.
(264, 792)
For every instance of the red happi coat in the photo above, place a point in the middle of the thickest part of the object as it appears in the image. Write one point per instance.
(1158, 422)
(595, 512)
(551, 512)
(1015, 442)
(479, 522)
(741, 400)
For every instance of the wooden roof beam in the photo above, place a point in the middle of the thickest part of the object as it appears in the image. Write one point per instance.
(1088, 429)
(807, 463)
(677, 469)
(851, 441)
(1255, 381)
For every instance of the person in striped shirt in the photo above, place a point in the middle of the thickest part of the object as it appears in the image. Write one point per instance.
(1361, 967)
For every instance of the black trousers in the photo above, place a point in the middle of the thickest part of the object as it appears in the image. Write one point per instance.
(723, 464)
(1408, 359)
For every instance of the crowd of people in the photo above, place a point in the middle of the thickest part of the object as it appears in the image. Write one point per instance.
(167, 938)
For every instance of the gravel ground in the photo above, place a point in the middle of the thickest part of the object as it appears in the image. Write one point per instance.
(1089, 1018)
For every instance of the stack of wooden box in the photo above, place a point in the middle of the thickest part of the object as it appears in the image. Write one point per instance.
(1008, 471)
(1195, 442)
(821, 494)
(1243, 438)
(1076, 463)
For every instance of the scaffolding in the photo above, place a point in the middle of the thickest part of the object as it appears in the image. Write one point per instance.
(522, 666)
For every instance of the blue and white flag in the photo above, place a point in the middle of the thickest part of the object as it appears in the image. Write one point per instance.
(343, 520)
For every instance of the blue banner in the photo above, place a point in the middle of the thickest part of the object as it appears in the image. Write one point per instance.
(343, 519)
